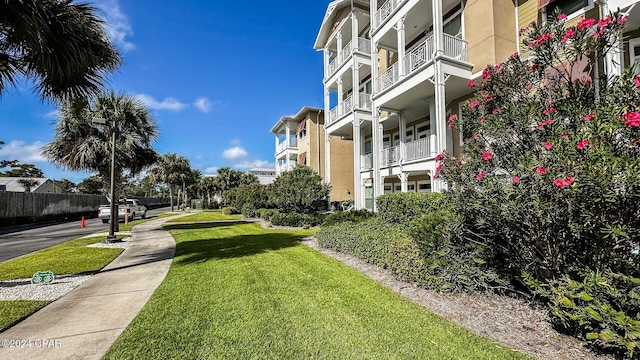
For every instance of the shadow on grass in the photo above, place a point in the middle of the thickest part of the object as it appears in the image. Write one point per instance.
(200, 250)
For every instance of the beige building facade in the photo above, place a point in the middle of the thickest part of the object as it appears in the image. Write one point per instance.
(396, 70)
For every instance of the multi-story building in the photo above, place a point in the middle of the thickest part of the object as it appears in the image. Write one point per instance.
(395, 70)
(300, 140)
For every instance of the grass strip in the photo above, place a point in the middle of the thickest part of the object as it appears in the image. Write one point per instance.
(12, 312)
(215, 215)
(71, 257)
(237, 291)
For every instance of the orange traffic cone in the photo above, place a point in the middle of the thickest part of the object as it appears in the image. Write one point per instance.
(82, 222)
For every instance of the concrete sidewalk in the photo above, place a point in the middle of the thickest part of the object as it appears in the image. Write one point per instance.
(86, 322)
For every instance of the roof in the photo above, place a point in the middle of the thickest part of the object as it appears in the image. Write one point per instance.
(294, 118)
(327, 22)
(12, 183)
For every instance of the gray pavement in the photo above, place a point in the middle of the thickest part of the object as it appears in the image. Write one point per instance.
(86, 322)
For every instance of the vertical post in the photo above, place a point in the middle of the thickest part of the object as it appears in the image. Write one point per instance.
(357, 150)
(401, 47)
(114, 202)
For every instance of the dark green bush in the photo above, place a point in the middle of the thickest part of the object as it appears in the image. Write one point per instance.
(267, 214)
(255, 195)
(352, 215)
(249, 211)
(300, 190)
(294, 219)
(403, 207)
(602, 309)
(229, 210)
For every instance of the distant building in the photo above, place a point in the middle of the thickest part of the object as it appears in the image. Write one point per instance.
(43, 185)
(265, 176)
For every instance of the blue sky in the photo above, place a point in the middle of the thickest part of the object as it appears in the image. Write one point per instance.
(216, 75)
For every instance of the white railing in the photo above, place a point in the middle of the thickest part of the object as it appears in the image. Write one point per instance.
(345, 54)
(389, 156)
(418, 149)
(365, 101)
(364, 46)
(283, 145)
(385, 11)
(346, 106)
(423, 53)
(455, 47)
(366, 161)
(333, 115)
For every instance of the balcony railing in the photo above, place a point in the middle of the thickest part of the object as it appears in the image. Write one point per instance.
(418, 149)
(364, 46)
(347, 106)
(366, 161)
(283, 145)
(415, 150)
(385, 11)
(453, 47)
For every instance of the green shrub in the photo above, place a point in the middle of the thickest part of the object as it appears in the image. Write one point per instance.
(403, 207)
(255, 195)
(602, 309)
(267, 214)
(249, 211)
(229, 210)
(300, 190)
(354, 216)
(294, 219)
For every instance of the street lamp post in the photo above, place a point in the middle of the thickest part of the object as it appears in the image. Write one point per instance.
(114, 202)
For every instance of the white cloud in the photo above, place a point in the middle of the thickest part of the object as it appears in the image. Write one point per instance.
(53, 114)
(254, 164)
(211, 171)
(24, 153)
(236, 152)
(166, 104)
(118, 27)
(203, 104)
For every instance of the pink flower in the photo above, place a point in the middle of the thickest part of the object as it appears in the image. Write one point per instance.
(487, 155)
(440, 156)
(586, 23)
(473, 104)
(637, 81)
(543, 38)
(568, 35)
(540, 170)
(480, 175)
(531, 43)
(547, 145)
(622, 20)
(603, 22)
(471, 83)
(499, 66)
(597, 34)
(515, 179)
(632, 119)
(451, 120)
(582, 144)
(521, 31)
(562, 183)
(482, 118)
(565, 136)
(486, 73)
(546, 122)
(589, 117)
(529, 86)
(562, 17)
(550, 110)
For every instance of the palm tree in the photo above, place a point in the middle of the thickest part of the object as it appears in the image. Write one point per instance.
(61, 45)
(84, 131)
(171, 169)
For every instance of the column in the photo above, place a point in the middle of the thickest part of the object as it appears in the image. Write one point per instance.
(402, 128)
(433, 138)
(339, 52)
(357, 150)
(356, 85)
(340, 97)
(376, 144)
(440, 105)
(403, 181)
(401, 47)
(325, 54)
(327, 147)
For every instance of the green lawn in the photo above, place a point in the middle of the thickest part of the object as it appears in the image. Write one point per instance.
(13, 311)
(237, 291)
(214, 215)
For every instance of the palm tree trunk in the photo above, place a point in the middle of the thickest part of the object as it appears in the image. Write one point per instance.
(171, 198)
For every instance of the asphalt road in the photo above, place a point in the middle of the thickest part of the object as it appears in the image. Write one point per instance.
(26, 239)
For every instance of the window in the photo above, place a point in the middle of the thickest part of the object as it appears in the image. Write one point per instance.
(409, 135)
(396, 138)
(424, 186)
(634, 54)
(302, 129)
(386, 141)
(387, 189)
(453, 26)
(423, 130)
(571, 8)
(397, 187)
(368, 147)
(411, 186)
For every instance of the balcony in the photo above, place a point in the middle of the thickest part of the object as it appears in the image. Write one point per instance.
(284, 145)
(364, 47)
(347, 106)
(413, 61)
(415, 150)
(366, 161)
(385, 11)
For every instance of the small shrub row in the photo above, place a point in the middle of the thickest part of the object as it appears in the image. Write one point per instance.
(230, 210)
(354, 216)
(294, 219)
(404, 207)
(267, 214)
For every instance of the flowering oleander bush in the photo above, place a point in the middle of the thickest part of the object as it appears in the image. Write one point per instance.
(549, 176)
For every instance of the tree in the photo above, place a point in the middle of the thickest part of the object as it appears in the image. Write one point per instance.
(28, 184)
(62, 46)
(23, 170)
(66, 186)
(228, 178)
(171, 170)
(6, 163)
(208, 186)
(84, 131)
(300, 190)
(92, 185)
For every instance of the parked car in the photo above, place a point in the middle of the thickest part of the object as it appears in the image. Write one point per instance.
(131, 208)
